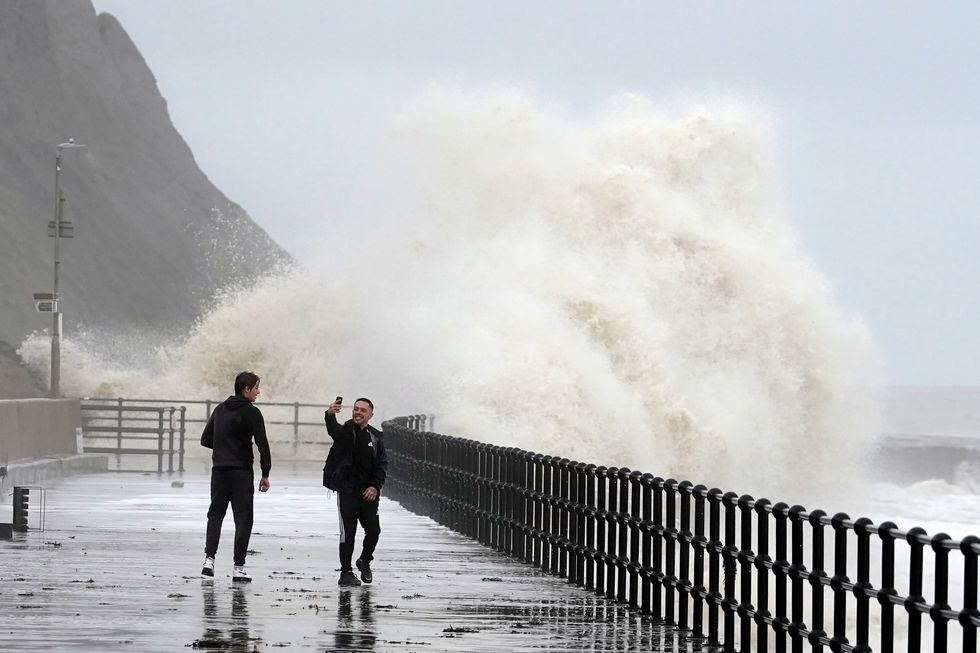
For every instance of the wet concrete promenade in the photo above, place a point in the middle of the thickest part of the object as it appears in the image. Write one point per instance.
(117, 569)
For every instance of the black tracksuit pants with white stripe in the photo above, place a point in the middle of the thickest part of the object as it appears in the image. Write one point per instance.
(353, 509)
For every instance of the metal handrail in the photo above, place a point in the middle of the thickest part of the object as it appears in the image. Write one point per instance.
(710, 561)
(131, 417)
(173, 426)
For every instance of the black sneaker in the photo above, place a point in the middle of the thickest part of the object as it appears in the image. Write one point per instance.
(348, 579)
(365, 569)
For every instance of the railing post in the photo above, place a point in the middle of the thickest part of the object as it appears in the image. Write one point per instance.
(160, 440)
(887, 586)
(611, 514)
(119, 426)
(622, 521)
(796, 571)
(780, 568)
(745, 554)
(183, 429)
(554, 527)
(449, 482)
(537, 521)
(968, 547)
(443, 481)
(646, 482)
(915, 537)
(547, 478)
(468, 489)
(446, 480)
(478, 491)
(581, 517)
(762, 510)
(600, 530)
(635, 522)
(714, 567)
(698, 590)
(571, 529)
(507, 501)
(483, 477)
(170, 447)
(461, 486)
(862, 588)
(516, 504)
(941, 590)
(564, 472)
(522, 530)
(493, 496)
(684, 538)
(840, 578)
(817, 574)
(295, 427)
(658, 585)
(670, 544)
(730, 568)
(591, 518)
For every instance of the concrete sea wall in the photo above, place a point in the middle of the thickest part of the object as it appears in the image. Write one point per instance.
(38, 441)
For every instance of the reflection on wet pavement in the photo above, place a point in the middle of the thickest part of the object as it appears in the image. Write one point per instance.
(117, 570)
(354, 632)
(224, 629)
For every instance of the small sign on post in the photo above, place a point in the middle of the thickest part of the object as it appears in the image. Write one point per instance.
(67, 229)
(46, 302)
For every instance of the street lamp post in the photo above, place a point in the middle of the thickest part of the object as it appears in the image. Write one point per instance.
(56, 313)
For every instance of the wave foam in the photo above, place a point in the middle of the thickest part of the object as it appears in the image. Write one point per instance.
(622, 290)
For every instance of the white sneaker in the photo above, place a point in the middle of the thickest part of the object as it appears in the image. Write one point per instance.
(240, 575)
(208, 568)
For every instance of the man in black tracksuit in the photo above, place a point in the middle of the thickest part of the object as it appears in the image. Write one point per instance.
(229, 433)
(355, 469)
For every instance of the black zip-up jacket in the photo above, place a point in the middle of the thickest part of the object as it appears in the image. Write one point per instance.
(229, 432)
(357, 458)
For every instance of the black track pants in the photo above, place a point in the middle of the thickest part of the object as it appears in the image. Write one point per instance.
(238, 487)
(353, 509)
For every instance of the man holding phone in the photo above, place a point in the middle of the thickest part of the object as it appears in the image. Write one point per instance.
(355, 469)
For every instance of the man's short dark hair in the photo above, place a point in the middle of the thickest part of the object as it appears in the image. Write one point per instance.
(367, 401)
(248, 380)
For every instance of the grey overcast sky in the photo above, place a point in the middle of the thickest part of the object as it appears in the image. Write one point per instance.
(875, 109)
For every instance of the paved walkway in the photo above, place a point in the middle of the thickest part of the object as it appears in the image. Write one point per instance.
(116, 569)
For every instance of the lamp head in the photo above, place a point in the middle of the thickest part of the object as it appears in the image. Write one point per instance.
(70, 143)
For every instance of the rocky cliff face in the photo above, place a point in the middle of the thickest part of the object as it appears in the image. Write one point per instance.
(154, 239)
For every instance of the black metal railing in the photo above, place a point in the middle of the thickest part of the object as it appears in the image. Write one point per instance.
(732, 569)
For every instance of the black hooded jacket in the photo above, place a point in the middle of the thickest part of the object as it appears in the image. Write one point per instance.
(357, 458)
(229, 433)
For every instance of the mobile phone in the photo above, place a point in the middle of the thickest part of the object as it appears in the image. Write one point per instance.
(339, 400)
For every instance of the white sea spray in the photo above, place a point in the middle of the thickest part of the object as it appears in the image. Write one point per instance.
(623, 289)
